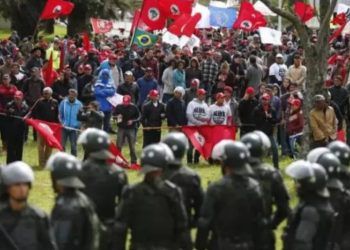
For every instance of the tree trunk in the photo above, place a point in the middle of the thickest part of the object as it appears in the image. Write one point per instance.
(78, 21)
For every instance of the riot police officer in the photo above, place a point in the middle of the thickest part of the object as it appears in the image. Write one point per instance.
(153, 209)
(233, 206)
(104, 181)
(310, 224)
(73, 217)
(270, 179)
(21, 225)
(339, 198)
(342, 151)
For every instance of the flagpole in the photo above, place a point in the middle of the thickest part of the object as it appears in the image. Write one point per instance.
(36, 29)
(137, 23)
(279, 17)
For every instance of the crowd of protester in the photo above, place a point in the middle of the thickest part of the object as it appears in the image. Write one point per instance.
(229, 80)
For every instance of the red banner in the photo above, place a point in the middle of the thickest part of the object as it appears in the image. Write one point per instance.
(204, 138)
(101, 26)
(120, 160)
(55, 9)
(51, 132)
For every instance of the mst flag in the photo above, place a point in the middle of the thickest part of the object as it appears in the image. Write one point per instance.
(152, 15)
(249, 19)
(120, 159)
(204, 138)
(222, 17)
(101, 26)
(56, 8)
(175, 8)
(51, 132)
(48, 72)
(144, 39)
(304, 11)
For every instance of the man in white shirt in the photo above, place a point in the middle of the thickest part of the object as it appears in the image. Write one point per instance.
(220, 114)
(278, 70)
(197, 111)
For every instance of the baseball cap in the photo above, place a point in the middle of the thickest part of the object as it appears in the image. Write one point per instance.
(319, 98)
(266, 96)
(18, 94)
(149, 69)
(128, 73)
(296, 103)
(153, 93)
(201, 92)
(220, 95)
(228, 89)
(250, 91)
(126, 99)
(195, 82)
(279, 55)
(112, 57)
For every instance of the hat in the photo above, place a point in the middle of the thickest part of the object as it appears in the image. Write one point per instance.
(266, 96)
(153, 93)
(180, 90)
(201, 92)
(128, 73)
(195, 82)
(228, 89)
(319, 98)
(279, 55)
(112, 57)
(296, 103)
(149, 69)
(250, 91)
(87, 67)
(220, 95)
(67, 66)
(18, 94)
(126, 100)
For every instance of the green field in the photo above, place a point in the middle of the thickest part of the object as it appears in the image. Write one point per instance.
(43, 196)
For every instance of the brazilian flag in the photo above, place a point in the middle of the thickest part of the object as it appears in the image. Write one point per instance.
(144, 39)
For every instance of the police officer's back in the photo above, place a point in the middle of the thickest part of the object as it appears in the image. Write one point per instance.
(310, 224)
(103, 181)
(152, 209)
(342, 151)
(73, 217)
(22, 226)
(187, 179)
(339, 197)
(270, 179)
(232, 208)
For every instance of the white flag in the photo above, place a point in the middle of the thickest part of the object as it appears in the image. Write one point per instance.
(263, 9)
(170, 38)
(270, 36)
(205, 13)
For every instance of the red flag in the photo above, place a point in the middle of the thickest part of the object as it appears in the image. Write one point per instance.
(304, 11)
(101, 26)
(332, 60)
(56, 8)
(336, 33)
(51, 132)
(152, 15)
(48, 73)
(341, 135)
(191, 25)
(86, 41)
(204, 138)
(339, 19)
(179, 24)
(175, 8)
(120, 159)
(249, 19)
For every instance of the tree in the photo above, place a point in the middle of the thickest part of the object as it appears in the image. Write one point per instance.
(316, 54)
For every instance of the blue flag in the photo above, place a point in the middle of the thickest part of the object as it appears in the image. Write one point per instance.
(222, 17)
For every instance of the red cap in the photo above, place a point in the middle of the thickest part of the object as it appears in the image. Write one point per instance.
(18, 94)
(153, 93)
(201, 92)
(266, 96)
(87, 67)
(220, 95)
(195, 82)
(93, 51)
(296, 103)
(250, 91)
(112, 57)
(228, 89)
(80, 50)
(340, 58)
(126, 100)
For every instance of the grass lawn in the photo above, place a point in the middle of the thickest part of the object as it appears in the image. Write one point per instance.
(60, 30)
(42, 195)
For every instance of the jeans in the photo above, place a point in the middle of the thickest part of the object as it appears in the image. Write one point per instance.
(274, 149)
(151, 136)
(283, 139)
(107, 120)
(72, 135)
(129, 135)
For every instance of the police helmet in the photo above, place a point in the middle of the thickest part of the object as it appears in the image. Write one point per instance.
(17, 172)
(155, 157)
(254, 144)
(178, 143)
(96, 143)
(233, 154)
(265, 141)
(330, 163)
(314, 154)
(311, 177)
(65, 170)
(342, 151)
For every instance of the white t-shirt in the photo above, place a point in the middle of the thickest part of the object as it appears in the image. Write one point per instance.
(219, 114)
(197, 112)
(278, 70)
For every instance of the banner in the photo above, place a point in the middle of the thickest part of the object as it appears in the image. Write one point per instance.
(101, 26)
(270, 36)
(222, 17)
(204, 138)
(55, 9)
(120, 160)
(51, 132)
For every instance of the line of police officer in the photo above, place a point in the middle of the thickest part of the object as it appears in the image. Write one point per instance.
(95, 209)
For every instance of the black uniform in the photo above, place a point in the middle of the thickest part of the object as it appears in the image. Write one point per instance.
(104, 183)
(152, 116)
(155, 214)
(74, 222)
(232, 211)
(25, 230)
(16, 129)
